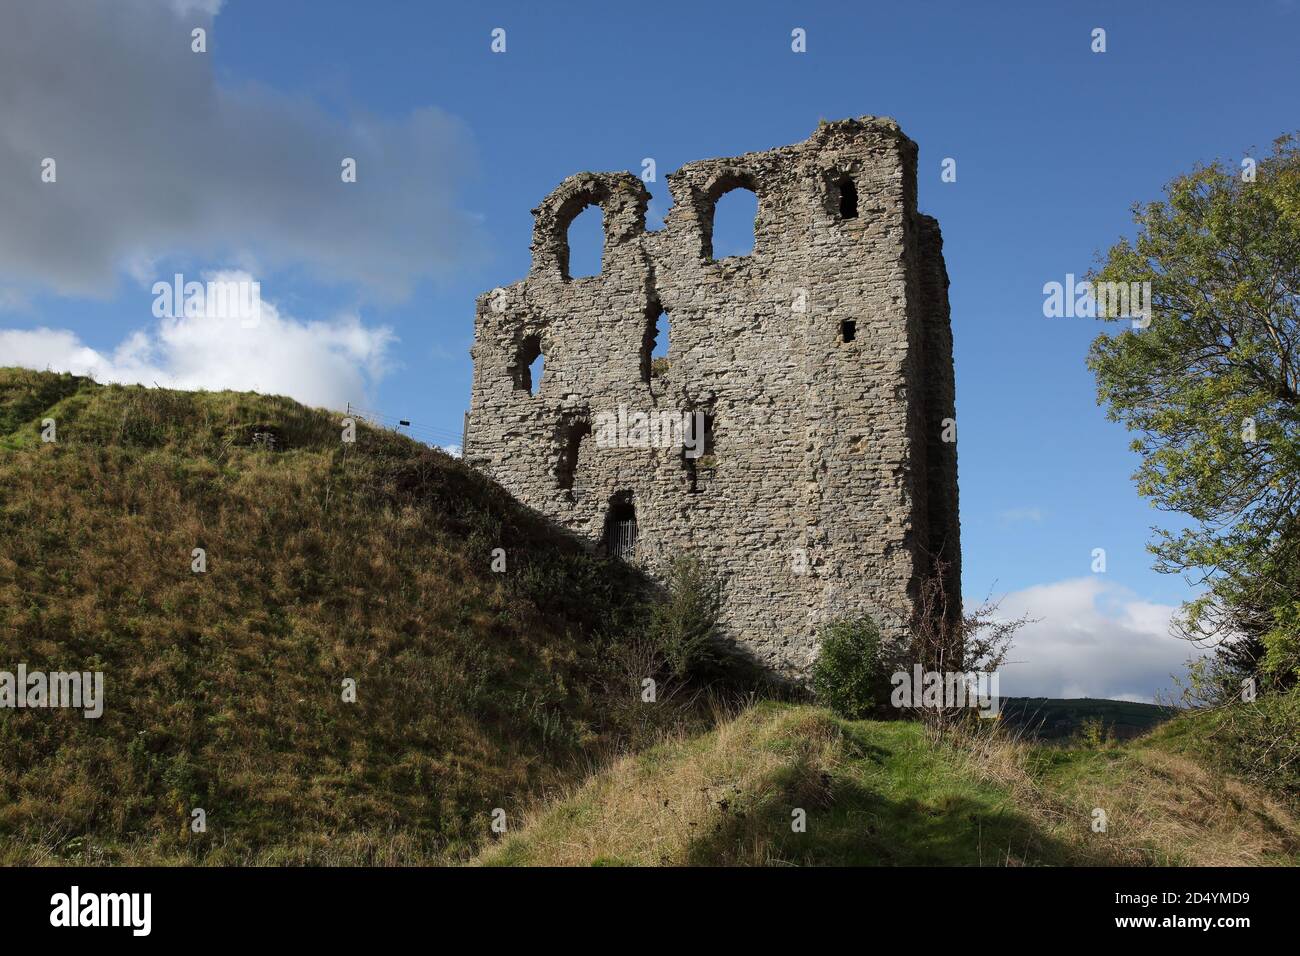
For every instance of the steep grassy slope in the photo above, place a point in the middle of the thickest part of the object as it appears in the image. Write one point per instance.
(475, 690)
(224, 689)
(1163, 805)
(885, 793)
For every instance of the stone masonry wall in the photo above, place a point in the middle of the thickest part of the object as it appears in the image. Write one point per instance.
(830, 481)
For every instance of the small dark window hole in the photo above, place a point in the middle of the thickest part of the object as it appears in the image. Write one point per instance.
(848, 330)
(848, 199)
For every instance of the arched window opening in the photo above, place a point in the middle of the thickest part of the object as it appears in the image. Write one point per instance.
(566, 470)
(529, 365)
(620, 527)
(586, 243)
(654, 346)
(734, 216)
(848, 197)
(535, 372)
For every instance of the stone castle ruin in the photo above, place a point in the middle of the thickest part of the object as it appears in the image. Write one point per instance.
(800, 436)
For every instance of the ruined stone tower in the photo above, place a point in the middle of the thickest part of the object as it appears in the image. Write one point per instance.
(819, 369)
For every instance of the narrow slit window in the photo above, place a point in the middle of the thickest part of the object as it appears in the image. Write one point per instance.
(566, 470)
(698, 449)
(654, 347)
(529, 365)
(848, 198)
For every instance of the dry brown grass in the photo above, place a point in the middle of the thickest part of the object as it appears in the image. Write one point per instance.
(1162, 808)
(895, 792)
(659, 807)
(476, 690)
(325, 561)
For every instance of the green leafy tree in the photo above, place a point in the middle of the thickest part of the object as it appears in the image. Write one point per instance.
(1211, 387)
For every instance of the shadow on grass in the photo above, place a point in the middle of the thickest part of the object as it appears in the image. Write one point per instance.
(851, 824)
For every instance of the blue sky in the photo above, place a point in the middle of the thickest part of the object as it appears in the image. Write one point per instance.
(1053, 144)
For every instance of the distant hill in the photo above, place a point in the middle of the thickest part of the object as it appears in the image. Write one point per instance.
(1050, 718)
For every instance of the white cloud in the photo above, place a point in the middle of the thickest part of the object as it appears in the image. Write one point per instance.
(1092, 638)
(319, 363)
(156, 158)
(185, 8)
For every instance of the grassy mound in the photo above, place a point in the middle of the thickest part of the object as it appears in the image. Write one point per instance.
(886, 793)
(224, 690)
(369, 564)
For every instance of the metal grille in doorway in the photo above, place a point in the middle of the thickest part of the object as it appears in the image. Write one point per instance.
(621, 541)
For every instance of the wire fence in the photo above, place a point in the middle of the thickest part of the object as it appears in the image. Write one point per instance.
(432, 435)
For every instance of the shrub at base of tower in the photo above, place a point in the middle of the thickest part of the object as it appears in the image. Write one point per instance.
(684, 627)
(851, 675)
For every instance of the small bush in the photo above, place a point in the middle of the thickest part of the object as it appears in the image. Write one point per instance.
(684, 627)
(851, 675)
(1093, 733)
